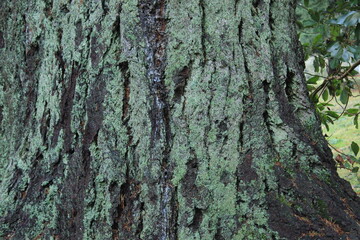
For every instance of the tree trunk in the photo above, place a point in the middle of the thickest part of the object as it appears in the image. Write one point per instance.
(162, 119)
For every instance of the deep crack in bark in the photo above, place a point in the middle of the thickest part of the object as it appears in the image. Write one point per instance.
(203, 29)
(153, 21)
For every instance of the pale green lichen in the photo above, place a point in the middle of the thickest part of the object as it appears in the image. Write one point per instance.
(205, 123)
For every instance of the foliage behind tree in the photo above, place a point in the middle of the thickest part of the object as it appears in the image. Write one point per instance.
(330, 34)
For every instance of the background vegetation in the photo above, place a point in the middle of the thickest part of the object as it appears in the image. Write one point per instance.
(329, 31)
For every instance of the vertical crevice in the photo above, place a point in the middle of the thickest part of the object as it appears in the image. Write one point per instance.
(266, 117)
(279, 88)
(114, 191)
(153, 21)
(208, 114)
(271, 17)
(32, 60)
(62, 66)
(203, 29)
(239, 33)
(78, 33)
(66, 95)
(228, 84)
(67, 105)
(249, 79)
(245, 171)
(245, 64)
(190, 190)
(197, 219)
(127, 205)
(104, 7)
(241, 135)
(61, 62)
(1, 116)
(141, 223)
(236, 6)
(288, 84)
(2, 40)
(116, 29)
(218, 235)
(152, 16)
(294, 150)
(124, 68)
(256, 3)
(80, 175)
(173, 235)
(180, 81)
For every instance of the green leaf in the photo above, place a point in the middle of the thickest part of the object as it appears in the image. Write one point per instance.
(300, 25)
(355, 148)
(306, 3)
(347, 165)
(325, 95)
(353, 19)
(332, 114)
(334, 63)
(357, 33)
(335, 31)
(346, 55)
(344, 96)
(330, 121)
(339, 54)
(310, 88)
(334, 49)
(356, 49)
(354, 159)
(349, 19)
(322, 62)
(309, 23)
(356, 122)
(352, 111)
(313, 80)
(355, 169)
(354, 73)
(317, 39)
(326, 125)
(314, 15)
(316, 64)
(320, 107)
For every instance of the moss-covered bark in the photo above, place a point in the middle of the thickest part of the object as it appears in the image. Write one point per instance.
(165, 119)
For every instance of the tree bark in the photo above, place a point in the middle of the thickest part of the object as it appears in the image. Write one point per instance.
(162, 119)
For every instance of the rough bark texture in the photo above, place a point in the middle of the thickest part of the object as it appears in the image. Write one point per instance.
(162, 119)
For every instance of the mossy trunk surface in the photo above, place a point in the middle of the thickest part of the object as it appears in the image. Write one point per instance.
(162, 119)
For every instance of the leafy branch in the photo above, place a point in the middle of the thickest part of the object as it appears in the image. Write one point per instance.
(341, 76)
(330, 34)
